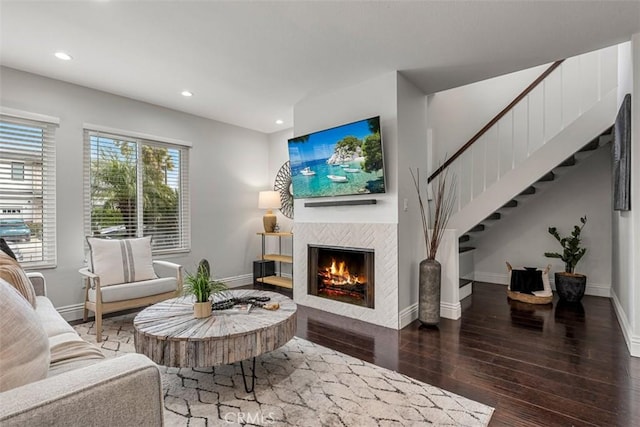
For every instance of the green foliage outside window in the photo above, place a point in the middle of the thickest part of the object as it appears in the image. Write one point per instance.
(114, 190)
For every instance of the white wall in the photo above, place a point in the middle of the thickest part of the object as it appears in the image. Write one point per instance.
(375, 97)
(455, 115)
(412, 154)
(356, 226)
(626, 225)
(278, 155)
(622, 222)
(634, 282)
(521, 236)
(227, 169)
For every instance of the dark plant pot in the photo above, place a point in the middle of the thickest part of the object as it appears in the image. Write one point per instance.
(429, 292)
(570, 287)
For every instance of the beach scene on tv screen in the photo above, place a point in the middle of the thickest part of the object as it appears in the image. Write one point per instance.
(344, 160)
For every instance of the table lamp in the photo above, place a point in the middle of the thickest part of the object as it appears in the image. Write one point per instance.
(269, 200)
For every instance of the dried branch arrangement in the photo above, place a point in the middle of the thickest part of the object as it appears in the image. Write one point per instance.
(444, 201)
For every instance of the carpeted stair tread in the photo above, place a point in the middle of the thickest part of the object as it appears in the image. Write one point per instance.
(494, 216)
(463, 249)
(510, 204)
(464, 238)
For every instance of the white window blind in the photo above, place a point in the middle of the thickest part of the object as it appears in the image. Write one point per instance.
(135, 188)
(27, 190)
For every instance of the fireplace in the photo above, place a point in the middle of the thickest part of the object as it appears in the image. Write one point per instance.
(342, 274)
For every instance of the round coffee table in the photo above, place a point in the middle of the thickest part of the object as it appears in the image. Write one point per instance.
(169, 335)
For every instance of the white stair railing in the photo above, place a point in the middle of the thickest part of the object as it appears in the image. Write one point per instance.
(580, 92)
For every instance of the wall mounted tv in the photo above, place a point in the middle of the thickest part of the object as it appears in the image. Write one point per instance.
(341, 161)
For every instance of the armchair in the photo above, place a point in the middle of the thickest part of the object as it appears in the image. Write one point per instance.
(102, 299)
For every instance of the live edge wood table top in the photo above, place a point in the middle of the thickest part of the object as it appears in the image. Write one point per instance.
(169, 335)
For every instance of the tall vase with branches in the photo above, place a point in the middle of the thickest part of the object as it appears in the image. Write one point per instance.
(434, 224)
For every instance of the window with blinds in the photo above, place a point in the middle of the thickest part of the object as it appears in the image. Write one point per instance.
(27, 190)
(136, 188)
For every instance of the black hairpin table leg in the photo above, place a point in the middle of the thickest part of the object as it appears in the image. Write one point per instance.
(253, 376)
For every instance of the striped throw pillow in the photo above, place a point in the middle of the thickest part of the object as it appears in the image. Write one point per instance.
(11, 272)
(121, 261)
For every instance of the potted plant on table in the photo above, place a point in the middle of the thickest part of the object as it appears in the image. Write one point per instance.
(433, 227)
(202, 287)
(570, 285)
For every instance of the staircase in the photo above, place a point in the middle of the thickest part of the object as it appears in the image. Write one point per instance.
(466, 240)
(562, 117)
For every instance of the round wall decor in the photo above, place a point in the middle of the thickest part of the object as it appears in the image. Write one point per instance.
(283, 186)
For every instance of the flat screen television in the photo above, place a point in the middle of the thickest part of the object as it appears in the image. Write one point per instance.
(341, 161)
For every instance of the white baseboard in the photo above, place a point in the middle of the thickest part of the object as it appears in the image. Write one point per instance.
(75, 311)
(236, 281)
(596, 290)
(447, 311)
(481, 276)
(593, 289)
(450, 311)
(71, 312)
(408, 315)
(632, 340)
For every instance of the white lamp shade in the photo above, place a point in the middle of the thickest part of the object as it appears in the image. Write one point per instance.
(269, 200)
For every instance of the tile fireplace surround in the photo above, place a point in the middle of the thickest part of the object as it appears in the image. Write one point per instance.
(382, 238)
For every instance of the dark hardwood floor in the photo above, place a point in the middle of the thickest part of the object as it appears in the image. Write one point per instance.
(559, 365)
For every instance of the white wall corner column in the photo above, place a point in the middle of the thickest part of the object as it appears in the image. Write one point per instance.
(625, 290)
(634, 282)
(448, 258)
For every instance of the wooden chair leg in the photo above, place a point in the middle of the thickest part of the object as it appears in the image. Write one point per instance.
(98, 323)
(85, 313)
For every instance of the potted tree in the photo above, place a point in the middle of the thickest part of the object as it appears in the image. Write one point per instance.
(570, 285)
(202, 287)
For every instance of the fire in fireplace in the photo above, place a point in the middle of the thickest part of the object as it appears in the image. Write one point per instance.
(342, 274)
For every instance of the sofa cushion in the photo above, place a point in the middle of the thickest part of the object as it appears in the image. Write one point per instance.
(121, 261)
(129, 291)
(24, 345)
(11, 271)
(70, 348)
(52, 322)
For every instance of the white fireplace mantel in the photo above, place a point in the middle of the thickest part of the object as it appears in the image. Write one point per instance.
(381, 237)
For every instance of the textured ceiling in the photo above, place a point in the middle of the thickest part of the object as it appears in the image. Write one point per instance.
(248, 63)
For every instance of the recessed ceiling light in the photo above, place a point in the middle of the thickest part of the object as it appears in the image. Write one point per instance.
(62, 55)
(279, 122)
(186, 93)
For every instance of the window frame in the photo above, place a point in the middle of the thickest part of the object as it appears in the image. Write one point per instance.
(184, 215)
(37, 185)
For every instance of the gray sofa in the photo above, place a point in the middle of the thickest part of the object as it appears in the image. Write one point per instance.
(82, 387)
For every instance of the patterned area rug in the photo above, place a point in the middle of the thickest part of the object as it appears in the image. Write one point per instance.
(300, 384)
